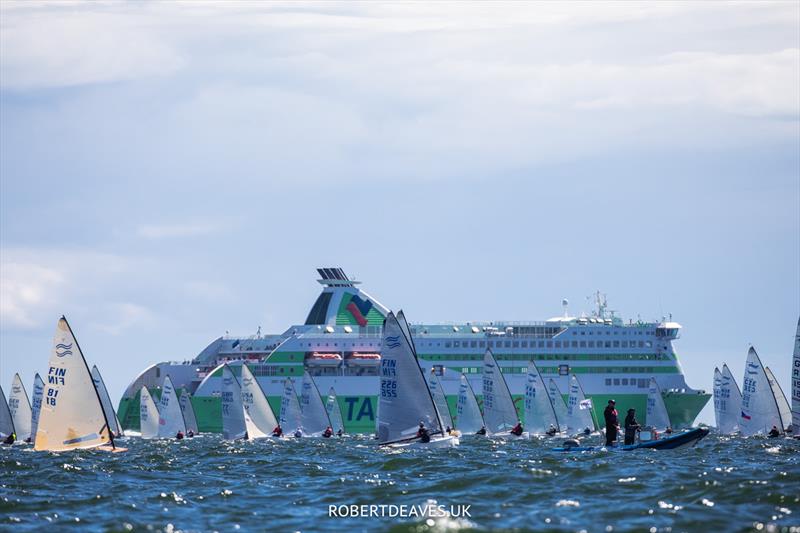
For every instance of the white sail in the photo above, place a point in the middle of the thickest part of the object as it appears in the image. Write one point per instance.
(499, 412)
(105, 401)
(314, 416)
(727, 401)
(188, 412)
(170, 420)
(20, 409)
(71, 415)
(255, 404)
(437, 392)
(6, 421)
(468, 414)
(290, 408)
(253, 431)
(656, 413)
(796, 383)
(233, 425)
(36, 404)
(334, 412)
(579, 408)
(759, 412)
(557, 400)
(405, 399)
(783, 404)
(148, 415)
(540, 415)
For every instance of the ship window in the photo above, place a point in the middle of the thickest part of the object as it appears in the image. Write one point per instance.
(608, 382)
(481, 344)
(616, 344)
(624, 381)
(447, 344)
(574, 344)
(516, 344)
(549, 344)
(649, 344)
(473, 344)
(508, 344)
(591, 344)
(583, 344)
(642, 383)
(541, 344)
(524, 344)
(608, 344)
(456, 344)
(624, 344)
(616, 381)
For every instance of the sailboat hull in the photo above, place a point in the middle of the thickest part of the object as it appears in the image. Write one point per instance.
(448, 441)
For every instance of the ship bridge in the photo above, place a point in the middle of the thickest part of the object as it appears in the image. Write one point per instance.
(341, 303)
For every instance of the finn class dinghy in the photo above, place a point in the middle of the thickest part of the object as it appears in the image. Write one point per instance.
(784, 409)
(258, 415)
(405, 402)
(727, 401)
(234, 425)
(36, 404)
(760, 411)
(579, 410)
(6, 420)
(469, 419)
(314, 418)
(334, 413)
(540, 415)
(71, 415)
(557, 401)
(170, 416)
(105, 400)
(439, 398)
(188, 413)
(291, 414)
(148, 415)
(499, 411)
(20, 408)
(796, 384)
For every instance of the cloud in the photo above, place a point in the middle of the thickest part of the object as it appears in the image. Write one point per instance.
(121, 317)
(25, 292)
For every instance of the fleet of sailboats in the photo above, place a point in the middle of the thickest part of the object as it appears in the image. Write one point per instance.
(72, 409)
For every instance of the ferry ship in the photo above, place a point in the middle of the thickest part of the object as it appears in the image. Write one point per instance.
(339, 344)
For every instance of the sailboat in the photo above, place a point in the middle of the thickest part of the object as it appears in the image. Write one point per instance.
(796, 384)
(334, 412)
(188, 413)
(560, 408)
(6, 420)
(727, 401)
(36, 404)
(468, 414)
(314, 418)
(579, 409)
(72, 415)
(170, 416)
(148, 415)
(233, 419)
(759, 412)
(105, 399)
(291, 413)
(435, 386)
(258, 413)
(656, 415)
(540, 415)
(20, 409)
(499, 411)
(783, 404)
(405, 400)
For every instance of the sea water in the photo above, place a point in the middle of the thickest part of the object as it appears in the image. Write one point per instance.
(205, 484)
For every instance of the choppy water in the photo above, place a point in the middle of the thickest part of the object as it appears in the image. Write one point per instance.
(208, 484)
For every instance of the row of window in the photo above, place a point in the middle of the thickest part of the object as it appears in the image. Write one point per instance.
(549, 357)
(565, 370)
(546, 344)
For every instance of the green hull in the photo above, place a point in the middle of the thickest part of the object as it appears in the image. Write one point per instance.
(358, 412)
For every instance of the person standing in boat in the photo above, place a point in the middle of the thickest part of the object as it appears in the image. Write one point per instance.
(631, 426)
(612, 422)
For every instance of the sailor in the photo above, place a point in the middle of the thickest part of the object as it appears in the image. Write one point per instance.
(298, 433)
(481, 431)
(774, 432)
(517, 430)
(631, 426)
(179, 435)
(612, 422)
(668, 431)
(328, 433)
(587, 431)
(278, 431)
(190, 433)
(10, 439)
(551, 431)
(422, 433)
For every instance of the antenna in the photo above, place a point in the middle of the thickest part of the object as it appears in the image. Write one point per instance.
(565, 305)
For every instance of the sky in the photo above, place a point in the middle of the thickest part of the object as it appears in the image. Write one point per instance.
(173, 171)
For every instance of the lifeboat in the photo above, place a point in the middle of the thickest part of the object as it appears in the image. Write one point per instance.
(324, 359)
(364, 359)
